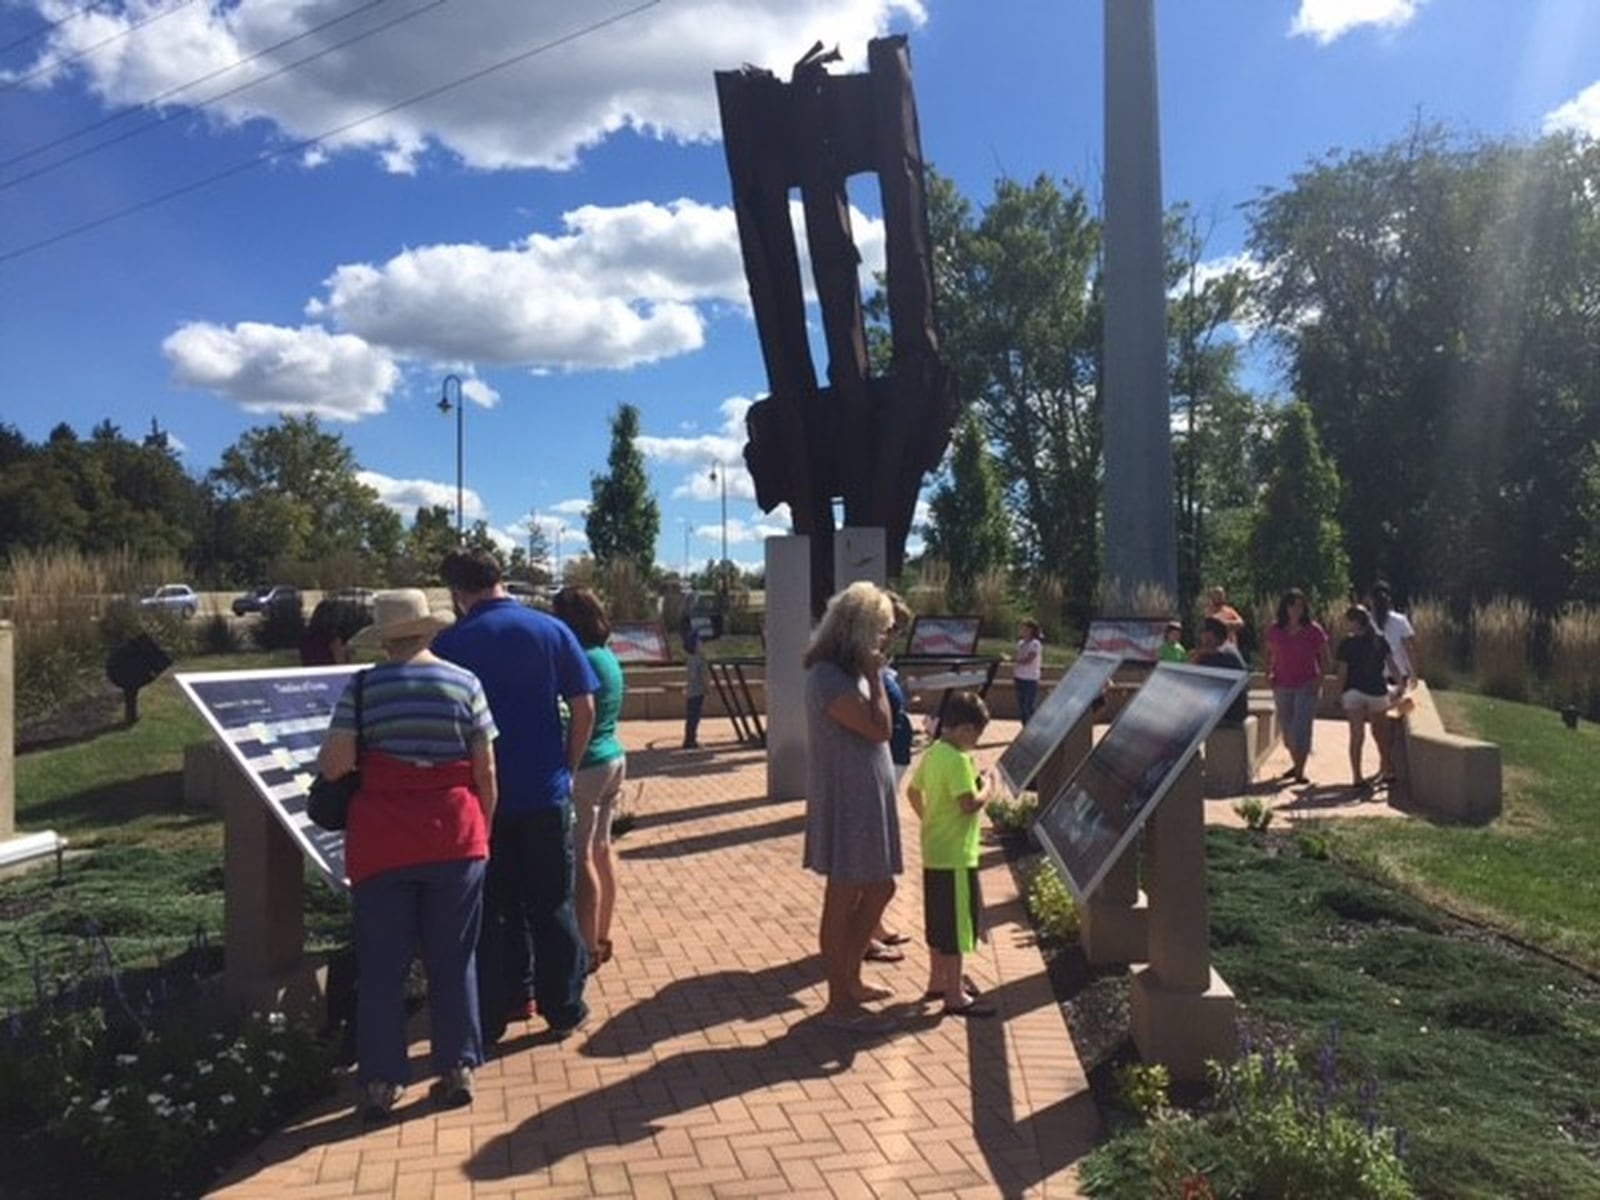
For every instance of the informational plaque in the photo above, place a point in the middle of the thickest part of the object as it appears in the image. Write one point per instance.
(1094, 817)
(943, 637)
(1132, 639)
(272, 723)
(640, 643)
(1067, 704)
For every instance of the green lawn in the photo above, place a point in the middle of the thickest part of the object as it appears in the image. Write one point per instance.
(1535, 872)
(1485, 1054)
(145, 870)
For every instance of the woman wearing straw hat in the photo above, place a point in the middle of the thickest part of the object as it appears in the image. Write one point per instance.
(415, 845)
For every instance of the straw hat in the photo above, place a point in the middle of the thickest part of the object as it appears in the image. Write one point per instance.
(400, 614)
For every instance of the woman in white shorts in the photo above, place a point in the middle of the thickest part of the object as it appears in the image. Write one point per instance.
(1365, 693)
(597, 784)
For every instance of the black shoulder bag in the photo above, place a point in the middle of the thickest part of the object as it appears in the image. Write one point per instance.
(328, 802)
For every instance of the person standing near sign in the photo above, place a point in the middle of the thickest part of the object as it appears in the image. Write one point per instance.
(852, 820)
(1028, 669)
(414, 847)
(694, 687)
(1365, 655)
(1297, 659)
(528, 662)
(597, 786)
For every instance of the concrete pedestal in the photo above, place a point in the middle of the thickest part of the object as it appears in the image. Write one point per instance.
(8, 730)
(860, 555)
(1114, 926)
(1183, 1013)
(1182, 1029)
(265, 967)
(788, 628)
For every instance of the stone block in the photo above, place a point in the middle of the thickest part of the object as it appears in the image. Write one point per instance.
(1230, 758)
(1183, 1029)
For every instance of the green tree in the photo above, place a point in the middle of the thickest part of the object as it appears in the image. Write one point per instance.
(289, 498)
(970, 529)
(624, 520)
(1295, 540)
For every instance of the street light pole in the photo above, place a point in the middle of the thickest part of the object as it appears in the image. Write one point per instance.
(719, 474)
(461, 408)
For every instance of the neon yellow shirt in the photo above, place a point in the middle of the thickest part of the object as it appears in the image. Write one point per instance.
(1174, 652)
(949, 833)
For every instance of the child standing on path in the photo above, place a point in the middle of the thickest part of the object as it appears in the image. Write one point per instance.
(947, 793)
(1025, 672)
(694, 688)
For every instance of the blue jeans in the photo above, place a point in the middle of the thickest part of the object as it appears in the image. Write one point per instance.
(530, 927)
(437, 906)
(1027, 698)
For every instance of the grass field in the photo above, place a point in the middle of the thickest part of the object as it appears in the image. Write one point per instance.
(1536, 871)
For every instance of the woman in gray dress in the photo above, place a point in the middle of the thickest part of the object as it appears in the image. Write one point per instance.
(852, 823)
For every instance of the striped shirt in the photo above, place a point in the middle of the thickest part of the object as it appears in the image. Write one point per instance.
(422, 712)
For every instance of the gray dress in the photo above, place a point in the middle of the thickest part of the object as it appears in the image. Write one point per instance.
(852, 819)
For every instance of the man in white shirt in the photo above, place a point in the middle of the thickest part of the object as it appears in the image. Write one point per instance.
(1398, 632)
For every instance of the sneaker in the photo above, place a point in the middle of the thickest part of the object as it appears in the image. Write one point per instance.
(562, 1032)
(378, 1101)
(454, 1088)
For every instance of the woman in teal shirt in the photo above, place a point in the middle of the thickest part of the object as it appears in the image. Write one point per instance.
(597, 785)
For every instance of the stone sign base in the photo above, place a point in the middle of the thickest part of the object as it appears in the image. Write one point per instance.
(1183, 1029)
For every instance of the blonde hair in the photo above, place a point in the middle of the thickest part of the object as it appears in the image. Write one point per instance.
(852, 629)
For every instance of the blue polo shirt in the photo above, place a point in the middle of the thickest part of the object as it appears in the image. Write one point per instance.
(526, 661)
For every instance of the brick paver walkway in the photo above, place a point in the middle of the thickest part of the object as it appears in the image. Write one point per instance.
(703, 1071)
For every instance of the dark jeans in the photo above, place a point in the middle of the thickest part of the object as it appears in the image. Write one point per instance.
(1027, 698)
(692, 707)
(529, 914)
(434, 907)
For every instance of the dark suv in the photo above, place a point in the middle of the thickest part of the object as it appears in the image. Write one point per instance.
(261, 600)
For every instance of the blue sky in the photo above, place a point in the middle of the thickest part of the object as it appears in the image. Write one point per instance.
(558, 232)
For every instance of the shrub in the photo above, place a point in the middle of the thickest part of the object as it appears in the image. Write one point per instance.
(1313, 845)
(1575, 659)
(991, 596)
(1143, 1089)
(1255, 812)
(1268, 1131)
(1436, 641)
(1013, 816)
(626, 590)
(280, 627)
(1054, 912)
(217, 635)
(1050, 606)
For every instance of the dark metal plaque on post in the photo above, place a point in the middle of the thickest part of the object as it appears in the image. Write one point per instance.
(1069, 702)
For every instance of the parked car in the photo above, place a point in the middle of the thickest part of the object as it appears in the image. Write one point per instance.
(262, 600)
(532, 595)
(177, 598)
(352, 600)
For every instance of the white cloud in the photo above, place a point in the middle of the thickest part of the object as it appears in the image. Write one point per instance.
(405, 496)
(273, 369)
(618, 287)
(480, 393)
(705, 452)
(649, 72)
(1329, 20)
(1581, 114)
(1248, 319)
(741, 532)
(575, 507)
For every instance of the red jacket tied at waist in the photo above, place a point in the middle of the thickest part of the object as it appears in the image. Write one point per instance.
(406, 815)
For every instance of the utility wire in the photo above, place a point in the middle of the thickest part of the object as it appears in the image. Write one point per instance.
(54, 63)
(160, 97)
(50, 27)
(267, 156)
(179, 113)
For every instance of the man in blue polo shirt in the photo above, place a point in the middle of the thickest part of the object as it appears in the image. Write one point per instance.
(528, 662)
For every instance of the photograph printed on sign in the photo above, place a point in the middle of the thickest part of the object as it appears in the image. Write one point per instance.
(1068, 703)
(1094, 817)
(272, 723)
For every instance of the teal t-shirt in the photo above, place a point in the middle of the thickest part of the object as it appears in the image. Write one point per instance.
(603, 743)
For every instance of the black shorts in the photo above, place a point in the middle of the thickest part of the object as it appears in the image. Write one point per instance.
(952, 909)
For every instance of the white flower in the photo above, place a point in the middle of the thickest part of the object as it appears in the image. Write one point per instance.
(225, 1098)
(101, 1104)
(276, 1020)
(127, 1060)
(277, 1056)
(155, 1099)
(203, 1068)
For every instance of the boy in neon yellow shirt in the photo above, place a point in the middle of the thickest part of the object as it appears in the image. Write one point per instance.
(948, 792)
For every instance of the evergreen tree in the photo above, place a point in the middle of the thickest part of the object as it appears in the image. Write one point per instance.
(624, 520)
(1295, 540)
(970, 530)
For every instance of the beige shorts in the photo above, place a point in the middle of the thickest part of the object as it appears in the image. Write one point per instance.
(1356, 703)
(595, 793)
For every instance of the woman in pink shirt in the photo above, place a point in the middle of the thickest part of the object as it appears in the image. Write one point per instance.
(1297, 655)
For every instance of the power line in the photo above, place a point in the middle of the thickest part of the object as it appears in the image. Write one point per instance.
(179, 113)
(152, 101)
(88, 50)
(50, 27)
(267, 156)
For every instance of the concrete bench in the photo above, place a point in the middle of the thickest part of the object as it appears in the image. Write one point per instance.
(1444, 774)
(30, 847)
(1230, 758)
